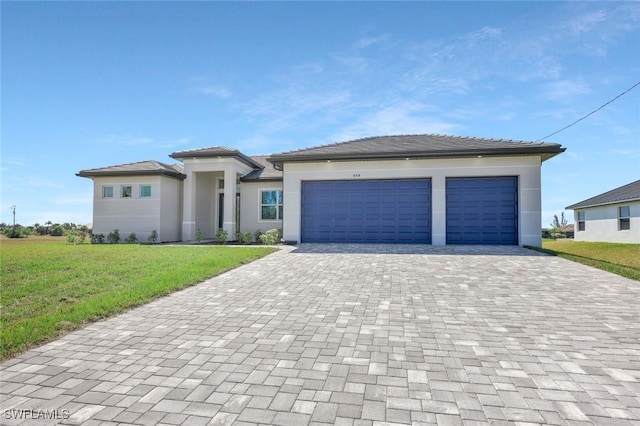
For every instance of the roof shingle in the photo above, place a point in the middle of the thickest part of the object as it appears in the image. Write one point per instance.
(215, 151)
(418, 146)
(628, 192)
(149, 167)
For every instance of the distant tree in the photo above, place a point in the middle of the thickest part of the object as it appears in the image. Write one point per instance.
(56, 230)
(558, 225)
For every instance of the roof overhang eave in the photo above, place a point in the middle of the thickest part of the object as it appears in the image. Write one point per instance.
(237, 155)
(269, 179)
(545, 154)
(579, 206)
(167, 173)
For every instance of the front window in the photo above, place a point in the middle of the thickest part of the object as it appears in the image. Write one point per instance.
(127, 191)
(107, 192)
(271, 205)
(145, 191)
(581, 221)
(624, 218)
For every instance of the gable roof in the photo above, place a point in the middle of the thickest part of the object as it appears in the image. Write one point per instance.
(418, 146)
(214, 152)
(149, 167)
(268, 172)
(628, 192)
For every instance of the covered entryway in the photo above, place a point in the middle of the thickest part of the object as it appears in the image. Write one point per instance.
(367, 211)
(482, 210)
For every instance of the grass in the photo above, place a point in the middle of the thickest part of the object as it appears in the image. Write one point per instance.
(621, 259)
(50, 287)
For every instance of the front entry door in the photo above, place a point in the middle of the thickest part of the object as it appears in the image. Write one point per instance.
(221, 211)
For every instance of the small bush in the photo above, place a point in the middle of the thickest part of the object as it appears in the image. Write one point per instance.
(132, 239)
(271, 237)
(244, 237)
(97, 238)
(257, 235)
(15, 232)
(57, 230)
(199, 235)
(114, 236)
(75, 236)
(153, 237)
(221, 236)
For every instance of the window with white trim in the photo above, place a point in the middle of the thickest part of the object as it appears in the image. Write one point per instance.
(581, 221)
(127, 191)
(624, 218)
(107, 192)
(145, 191)
(271, 205)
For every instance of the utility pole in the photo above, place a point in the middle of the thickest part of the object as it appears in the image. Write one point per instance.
(13, 209)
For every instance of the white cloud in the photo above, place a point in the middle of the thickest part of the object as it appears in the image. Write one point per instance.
(565, 90)
(402, 118)
(217, 91)
(586, 22)
(128, 140)
(35, 182)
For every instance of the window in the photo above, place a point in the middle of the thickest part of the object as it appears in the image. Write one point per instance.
(127, 191)
(145, 191)
(581, 220)
(107, 192)
(271, 205)
(624, 218)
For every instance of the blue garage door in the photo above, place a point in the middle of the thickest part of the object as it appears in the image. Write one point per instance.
(367, 211)
(482, 210)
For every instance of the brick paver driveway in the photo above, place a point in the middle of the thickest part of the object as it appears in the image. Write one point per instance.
(354, 335)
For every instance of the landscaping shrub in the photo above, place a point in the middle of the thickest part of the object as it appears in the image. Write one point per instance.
(114, 236)
(221, 236)
(257, 235)
(271, 237)
(153, 237)
(132, 239)
(97, 238)
(199, 235)
(244, 237)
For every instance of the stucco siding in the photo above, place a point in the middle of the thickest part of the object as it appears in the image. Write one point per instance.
(129, 215)
(250, 203)
(171, 210)
(601, 224)
(526, 168)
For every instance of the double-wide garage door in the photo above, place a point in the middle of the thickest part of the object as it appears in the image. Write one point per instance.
(479, 210)
(367, 211)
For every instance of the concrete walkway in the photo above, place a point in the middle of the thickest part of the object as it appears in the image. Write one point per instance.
(354, 335)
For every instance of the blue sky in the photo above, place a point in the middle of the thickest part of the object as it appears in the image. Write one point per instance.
(95, 84)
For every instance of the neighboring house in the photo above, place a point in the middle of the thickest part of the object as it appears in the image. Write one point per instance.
(610, 217)
(566, 231)
(426, 189)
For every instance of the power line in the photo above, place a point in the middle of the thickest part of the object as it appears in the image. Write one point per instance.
(591, 113)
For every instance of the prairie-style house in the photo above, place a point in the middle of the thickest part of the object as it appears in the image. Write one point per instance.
(421, 189)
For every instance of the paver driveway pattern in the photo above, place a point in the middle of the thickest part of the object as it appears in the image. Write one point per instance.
(354, 335)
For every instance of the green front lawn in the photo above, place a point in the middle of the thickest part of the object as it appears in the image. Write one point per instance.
(50, 287)
(621, 259)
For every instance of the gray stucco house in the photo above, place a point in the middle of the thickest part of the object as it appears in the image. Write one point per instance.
(425, 189)
(613, 216)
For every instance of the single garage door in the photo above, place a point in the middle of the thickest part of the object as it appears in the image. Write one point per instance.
(367, 211)
(482, 210)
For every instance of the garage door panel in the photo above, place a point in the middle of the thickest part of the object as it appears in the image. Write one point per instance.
(391, 211)
(482, 210)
